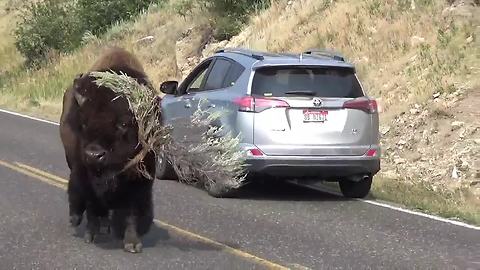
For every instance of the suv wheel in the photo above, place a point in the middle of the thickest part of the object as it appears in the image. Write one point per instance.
(164, 170)
(360, 189)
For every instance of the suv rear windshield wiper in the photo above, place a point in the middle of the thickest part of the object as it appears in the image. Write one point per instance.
(301, 93)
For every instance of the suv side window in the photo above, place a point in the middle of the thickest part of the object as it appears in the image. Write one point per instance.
(217, 75)
(234, 73)
(195, 80)
(196, 83)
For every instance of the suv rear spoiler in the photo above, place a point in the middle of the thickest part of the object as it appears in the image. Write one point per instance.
(245, 52)
(341, 65)
(325, 53)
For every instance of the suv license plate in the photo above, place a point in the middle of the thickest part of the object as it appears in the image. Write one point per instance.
(314, 116)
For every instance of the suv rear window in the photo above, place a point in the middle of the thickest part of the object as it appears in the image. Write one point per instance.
(300, 81)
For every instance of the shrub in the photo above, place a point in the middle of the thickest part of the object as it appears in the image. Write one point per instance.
(216, 162)
(59, 25)
(98, 16)
(183, 7)
(229, 16)
(44, 27)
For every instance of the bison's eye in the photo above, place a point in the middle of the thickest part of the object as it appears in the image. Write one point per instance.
(84, 126)
(122, 127)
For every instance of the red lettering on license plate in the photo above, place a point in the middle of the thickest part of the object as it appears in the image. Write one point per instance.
(314, 116)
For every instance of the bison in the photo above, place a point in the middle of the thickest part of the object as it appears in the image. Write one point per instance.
(100, 136)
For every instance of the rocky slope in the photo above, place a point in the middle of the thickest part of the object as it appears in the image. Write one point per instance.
(437, 141)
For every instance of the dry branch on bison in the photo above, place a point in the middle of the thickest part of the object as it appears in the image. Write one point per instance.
(216, 162)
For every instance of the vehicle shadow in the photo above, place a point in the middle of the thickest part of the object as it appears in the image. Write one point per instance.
(284, 191)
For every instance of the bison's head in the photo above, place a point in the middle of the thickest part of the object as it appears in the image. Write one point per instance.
(108, 132)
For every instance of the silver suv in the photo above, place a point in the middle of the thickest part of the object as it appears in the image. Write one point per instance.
(302, 116)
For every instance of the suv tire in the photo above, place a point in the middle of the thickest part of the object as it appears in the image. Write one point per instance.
(360, 189)
(164, 169)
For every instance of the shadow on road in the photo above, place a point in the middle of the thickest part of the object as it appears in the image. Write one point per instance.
(282, 191)
(157, 236)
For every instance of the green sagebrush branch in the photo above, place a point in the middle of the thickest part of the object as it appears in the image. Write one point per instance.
(143, 103)
(215, 162)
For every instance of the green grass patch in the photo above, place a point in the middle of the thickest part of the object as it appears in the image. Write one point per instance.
(454, 204)
(458, 204)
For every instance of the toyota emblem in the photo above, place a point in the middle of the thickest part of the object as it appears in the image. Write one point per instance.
(317, 102)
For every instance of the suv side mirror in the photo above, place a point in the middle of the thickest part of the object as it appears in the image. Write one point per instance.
(169, 87)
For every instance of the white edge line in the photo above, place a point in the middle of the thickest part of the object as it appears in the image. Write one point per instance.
(437, 218)
(396, 208)
(29, 117)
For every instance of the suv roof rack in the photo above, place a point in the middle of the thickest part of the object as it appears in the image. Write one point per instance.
(246, 52)
(325, 53)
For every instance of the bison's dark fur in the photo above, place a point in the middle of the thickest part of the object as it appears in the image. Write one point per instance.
(100, 136)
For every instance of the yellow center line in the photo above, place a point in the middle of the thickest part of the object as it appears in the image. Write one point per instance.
(41, 173)
(61, 183)
(33, 175)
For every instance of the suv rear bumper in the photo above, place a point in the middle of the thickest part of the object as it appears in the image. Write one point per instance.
(312, 166)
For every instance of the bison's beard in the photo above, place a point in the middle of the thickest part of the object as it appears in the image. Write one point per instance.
(106, 170)
(103, 181)
(105, 173)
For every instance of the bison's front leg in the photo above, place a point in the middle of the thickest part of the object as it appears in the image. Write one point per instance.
(131, 240)
(96, 213)
(124, 225)
(131, 226)
(132, 223)
(76, 198)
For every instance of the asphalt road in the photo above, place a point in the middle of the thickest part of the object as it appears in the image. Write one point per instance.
(267, 228)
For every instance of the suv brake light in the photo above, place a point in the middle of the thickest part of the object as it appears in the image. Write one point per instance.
(371, 153)
(255, 152)
(363, 104)
(256, 104)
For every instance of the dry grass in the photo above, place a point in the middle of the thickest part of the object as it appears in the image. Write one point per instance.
(380, 37)
(36, 91)
(10, 59)
(40, 91)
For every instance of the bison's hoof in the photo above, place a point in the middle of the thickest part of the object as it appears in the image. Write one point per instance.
(104, 226)
(133, 248)
(75, 220)
(88, 237)
(104, 229)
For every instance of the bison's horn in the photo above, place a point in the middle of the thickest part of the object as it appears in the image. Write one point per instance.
(79, 98)
(79, 75)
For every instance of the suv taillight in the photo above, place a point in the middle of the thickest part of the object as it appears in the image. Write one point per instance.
(257, 104)
(363, 104)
